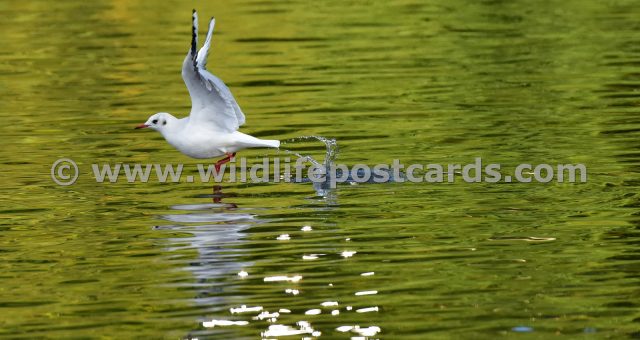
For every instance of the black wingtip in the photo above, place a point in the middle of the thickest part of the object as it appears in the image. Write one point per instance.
(194, 41)
(194, 36)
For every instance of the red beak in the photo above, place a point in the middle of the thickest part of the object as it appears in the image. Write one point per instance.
(141, 126)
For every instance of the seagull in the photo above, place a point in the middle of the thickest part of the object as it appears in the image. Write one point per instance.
(211, 130)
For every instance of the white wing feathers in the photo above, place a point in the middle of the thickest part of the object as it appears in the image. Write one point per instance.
(204, 51)
(211, 100)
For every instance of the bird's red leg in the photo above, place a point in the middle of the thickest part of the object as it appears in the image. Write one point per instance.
(224, 160)
(217, 193)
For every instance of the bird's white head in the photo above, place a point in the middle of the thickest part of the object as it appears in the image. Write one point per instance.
(160, 121)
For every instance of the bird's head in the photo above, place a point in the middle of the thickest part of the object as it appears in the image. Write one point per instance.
(159, 122)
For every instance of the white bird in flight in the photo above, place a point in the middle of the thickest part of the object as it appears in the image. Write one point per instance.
(211, 130)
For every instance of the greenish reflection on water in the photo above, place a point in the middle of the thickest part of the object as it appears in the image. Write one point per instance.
(426, 82)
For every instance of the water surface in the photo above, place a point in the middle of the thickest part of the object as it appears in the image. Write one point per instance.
(439, 82)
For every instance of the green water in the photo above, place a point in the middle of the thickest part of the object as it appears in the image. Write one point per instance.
(425, 82)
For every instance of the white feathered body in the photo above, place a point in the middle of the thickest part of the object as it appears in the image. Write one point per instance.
(200, 141)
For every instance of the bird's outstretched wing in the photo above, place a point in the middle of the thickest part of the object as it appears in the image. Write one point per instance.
(211, 101)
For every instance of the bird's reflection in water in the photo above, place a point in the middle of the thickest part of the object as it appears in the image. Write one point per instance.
(215, 229)
(218, 195)
(218, 231)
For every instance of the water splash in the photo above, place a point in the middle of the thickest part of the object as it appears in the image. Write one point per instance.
(324, 188)
(332, 150)
(330, 155)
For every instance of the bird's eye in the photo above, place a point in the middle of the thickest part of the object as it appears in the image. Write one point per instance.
(154, 121)
(164, 122)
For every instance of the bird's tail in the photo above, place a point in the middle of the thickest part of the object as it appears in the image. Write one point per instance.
(271, 143)
(248, 141)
